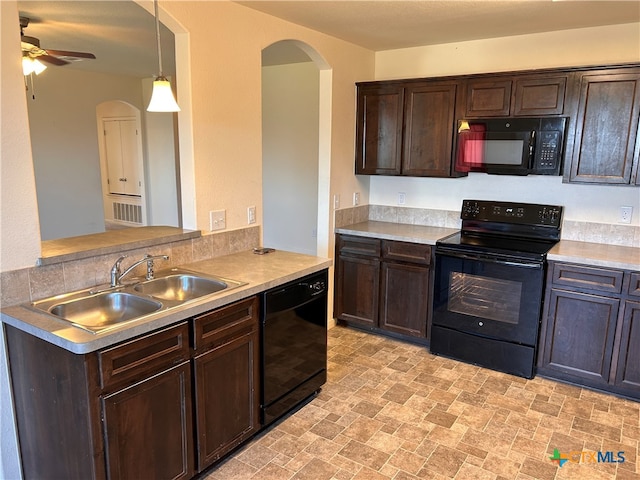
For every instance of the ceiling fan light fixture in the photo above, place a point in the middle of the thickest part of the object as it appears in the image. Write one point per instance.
(32, 65)
(162, 99)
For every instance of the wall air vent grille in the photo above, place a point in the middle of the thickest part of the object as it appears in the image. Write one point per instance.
(126, 212)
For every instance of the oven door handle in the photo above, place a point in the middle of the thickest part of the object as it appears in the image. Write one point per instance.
(487, 259)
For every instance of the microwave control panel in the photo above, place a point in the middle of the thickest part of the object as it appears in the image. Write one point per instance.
(547, 156)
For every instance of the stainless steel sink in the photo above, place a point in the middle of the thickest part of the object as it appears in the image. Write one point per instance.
(105, 310)
(180, 287)
(97, 311)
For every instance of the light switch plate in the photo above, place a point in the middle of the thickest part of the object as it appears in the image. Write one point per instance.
(217, 220)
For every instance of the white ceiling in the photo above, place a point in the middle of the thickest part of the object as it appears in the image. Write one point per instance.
(122, 34)
(385, 25)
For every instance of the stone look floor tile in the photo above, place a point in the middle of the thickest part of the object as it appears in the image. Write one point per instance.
(392, 411)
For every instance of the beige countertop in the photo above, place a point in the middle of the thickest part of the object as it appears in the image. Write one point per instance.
(595, 254)
(397, 231)
(260, 272)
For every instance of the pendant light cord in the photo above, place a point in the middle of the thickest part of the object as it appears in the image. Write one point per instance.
(155, 6)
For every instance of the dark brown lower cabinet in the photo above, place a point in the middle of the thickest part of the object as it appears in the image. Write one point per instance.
(383, 285)
(226, 379)
(146, 408)
(148, 427)
(580, 333)
(628, 367)
(590, 333)
(403, 309)
(357, 289)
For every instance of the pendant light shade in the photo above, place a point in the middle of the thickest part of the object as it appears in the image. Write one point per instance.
(162, 99)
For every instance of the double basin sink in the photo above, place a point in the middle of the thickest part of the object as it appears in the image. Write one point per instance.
(97, 311)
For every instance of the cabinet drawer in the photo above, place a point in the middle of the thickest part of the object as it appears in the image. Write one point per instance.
(590, 278)
(634, 284)
(359, 246)
(223, 325)
(144, 356)
(406, 252)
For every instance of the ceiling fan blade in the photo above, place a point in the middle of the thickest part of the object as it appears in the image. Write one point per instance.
(52, 60)
(70, 55)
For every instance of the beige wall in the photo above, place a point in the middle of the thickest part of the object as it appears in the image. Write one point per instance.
(226, 83)
(567, 48)
(226, 41)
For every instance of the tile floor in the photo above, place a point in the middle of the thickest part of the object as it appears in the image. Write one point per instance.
(390, 410)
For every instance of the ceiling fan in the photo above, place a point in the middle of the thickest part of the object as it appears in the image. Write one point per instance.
(31, 49)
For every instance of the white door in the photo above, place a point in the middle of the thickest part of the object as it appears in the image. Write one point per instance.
(124, 156)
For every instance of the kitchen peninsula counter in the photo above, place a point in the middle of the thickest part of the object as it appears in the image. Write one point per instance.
(258, 272)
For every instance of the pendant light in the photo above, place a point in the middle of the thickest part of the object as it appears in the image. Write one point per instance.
(162, 99)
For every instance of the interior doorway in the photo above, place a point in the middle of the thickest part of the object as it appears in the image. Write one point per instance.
(121, 165)
(295, 148)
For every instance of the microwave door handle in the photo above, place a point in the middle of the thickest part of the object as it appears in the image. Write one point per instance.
(532, 148)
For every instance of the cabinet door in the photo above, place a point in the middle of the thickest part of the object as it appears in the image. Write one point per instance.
(628, 367)
(379, 130)
(357, 289)
(148, 427)
(488, 98)
(579, 337)
(606, 140)
(539, 96)
(404, 298)
(428, 137)
(227, 396)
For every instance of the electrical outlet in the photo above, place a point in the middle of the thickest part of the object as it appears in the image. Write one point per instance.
(217, 220)
(625, 214)
(401, 198)
(251, 214)
(356, 198)
(336, 201)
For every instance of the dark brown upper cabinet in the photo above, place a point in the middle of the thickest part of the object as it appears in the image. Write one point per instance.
(379, 130)
(488, 98)
(526, 96)
(428, 129)
(606, 143)
(406, 128)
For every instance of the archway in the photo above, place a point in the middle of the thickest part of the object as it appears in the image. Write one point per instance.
(296, 86)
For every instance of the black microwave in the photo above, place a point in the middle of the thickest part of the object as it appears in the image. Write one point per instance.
(511, 146)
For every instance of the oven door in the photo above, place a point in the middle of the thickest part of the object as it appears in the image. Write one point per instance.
(492, 296)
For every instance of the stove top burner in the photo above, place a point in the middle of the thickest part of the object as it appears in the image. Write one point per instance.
(522, 230)
(501, 245)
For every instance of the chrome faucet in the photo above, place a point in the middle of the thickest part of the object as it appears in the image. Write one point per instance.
(117, 274)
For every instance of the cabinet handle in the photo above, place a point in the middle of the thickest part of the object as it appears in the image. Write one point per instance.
(123, 179)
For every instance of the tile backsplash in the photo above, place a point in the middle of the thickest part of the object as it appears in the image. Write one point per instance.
(29, 284)
(614, 234)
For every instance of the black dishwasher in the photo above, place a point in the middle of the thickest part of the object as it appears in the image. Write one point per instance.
(294, 344)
